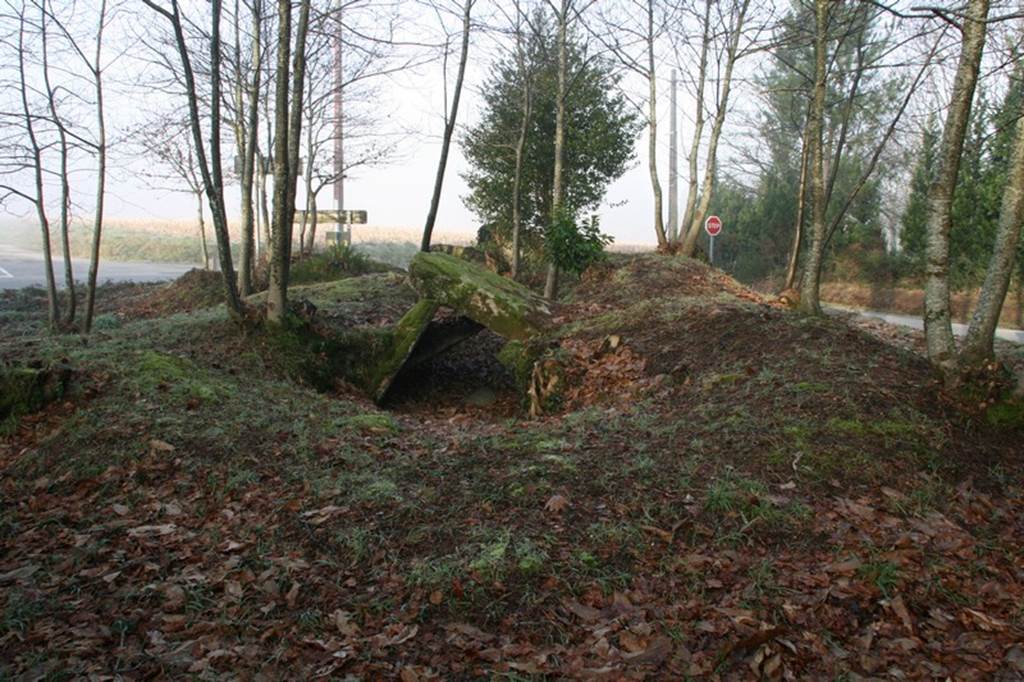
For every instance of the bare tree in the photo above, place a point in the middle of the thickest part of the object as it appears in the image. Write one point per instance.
(694, 218)
(449, 123)
(698, 124)
(28, 121)
(96, 72)
(823, 228)
(632, 35)
(167, 141)
(287, 138)
(63, 154)
(210, 166)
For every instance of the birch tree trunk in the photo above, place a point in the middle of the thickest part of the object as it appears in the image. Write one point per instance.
(698, 125)
(449, 129)
(652, 131)
(809, 291)
(937, 323)
(710, 166)
(980, 333)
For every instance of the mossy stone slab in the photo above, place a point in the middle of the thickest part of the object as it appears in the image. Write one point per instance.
(406, 334)
(503, 306)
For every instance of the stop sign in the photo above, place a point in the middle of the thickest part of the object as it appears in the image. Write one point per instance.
(713, 225)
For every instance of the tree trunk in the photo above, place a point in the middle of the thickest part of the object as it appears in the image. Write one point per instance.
(809, 291)
(249, 157)
(312, 222)
(517, 182)
(652, 131)
(39, 200)
(937, 323)
(65, 187)
(202, 230)
(524, 128)
(295, 121)
(277, 294)
(698, 126)
(307, 219)
(710, 167)
(980, 333)
(449, 129)
(551, 285)
(210, 168)
(801, 204)
(101, 174)
(215, 181)
(287, 138)
(264, 208)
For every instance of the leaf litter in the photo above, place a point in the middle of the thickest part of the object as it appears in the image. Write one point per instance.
(682, 517)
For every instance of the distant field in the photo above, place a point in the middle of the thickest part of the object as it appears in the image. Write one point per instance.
(177, 241)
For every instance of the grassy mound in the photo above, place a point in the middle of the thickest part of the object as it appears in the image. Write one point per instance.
(732, 490)
(195, 290)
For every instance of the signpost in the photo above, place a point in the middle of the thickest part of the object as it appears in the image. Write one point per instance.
(713, 226)
(341, 219)
(345, 217)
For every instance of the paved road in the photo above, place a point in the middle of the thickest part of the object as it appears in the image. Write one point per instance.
(20, 268)
(1015, 335)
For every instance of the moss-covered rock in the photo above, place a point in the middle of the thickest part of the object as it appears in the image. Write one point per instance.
(518, 357)
(386, 366)
(498, 303)
(24, 390)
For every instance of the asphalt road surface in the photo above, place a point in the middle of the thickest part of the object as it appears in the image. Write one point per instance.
(1015, 335)
(20, 268)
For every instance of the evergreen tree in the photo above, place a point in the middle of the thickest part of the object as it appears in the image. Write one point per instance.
(912, 231)
(599, 146)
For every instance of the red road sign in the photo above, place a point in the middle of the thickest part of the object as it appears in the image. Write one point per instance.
(713, 225)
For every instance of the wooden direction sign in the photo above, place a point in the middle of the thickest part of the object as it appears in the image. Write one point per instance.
(346, 217)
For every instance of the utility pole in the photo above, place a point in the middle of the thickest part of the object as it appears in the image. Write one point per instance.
(339, 147)
(673, 171)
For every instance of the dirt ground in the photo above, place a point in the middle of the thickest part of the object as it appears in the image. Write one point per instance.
(725, 490)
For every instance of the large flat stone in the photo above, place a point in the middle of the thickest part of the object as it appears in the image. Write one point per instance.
(503, 306)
